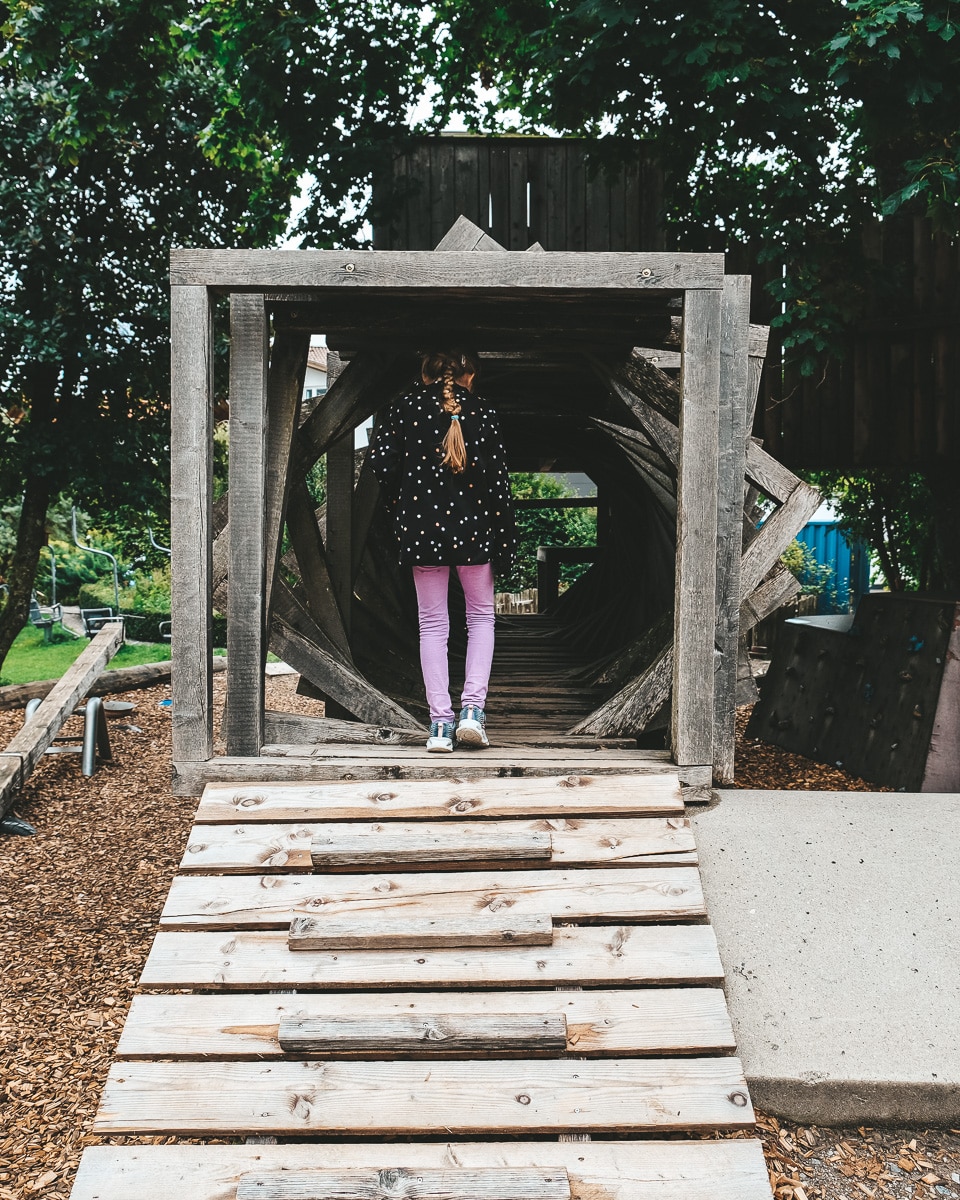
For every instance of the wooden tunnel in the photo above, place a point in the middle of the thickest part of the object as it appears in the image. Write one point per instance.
(639, 369)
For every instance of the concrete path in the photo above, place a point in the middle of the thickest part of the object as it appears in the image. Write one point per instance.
(838, 918)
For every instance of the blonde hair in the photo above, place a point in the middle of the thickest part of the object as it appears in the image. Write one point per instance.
(447, 366)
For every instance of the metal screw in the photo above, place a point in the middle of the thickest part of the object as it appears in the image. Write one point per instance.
(646, 273)
(350, 267)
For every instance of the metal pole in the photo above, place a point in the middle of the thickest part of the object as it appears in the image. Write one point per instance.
(94, 733)
(106, 554)
(156, 545)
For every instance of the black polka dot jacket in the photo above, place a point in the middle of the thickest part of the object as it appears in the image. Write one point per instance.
(443, 519)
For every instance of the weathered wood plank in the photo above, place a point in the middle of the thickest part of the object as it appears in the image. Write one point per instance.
(776, 533)
(637, 703)
(189, 779)
(336, 678)
(256, 848)
(523, 753)
(405, 1183)
(563, 795)
(464, 235)
(599, 1022)
(347, 845)
(456, 272)
(191, 504)
(246, 614)
(732, 445)
(272, 901)
(696, 561)
(725, 1169)
(395, 930)
(28, 745)
(779, 587)
(399, 1033)
(286, 373)
(617, 955)
(310, 561)
(387, 1098)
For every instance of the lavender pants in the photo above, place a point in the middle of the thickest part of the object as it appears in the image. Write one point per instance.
(432, 584)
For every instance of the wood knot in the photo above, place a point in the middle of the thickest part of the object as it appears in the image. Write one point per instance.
(572, 781)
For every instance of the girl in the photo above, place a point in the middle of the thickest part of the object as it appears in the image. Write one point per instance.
(439, 459)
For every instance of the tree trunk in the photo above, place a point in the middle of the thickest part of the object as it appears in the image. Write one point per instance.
(31, 535)
(943, 480)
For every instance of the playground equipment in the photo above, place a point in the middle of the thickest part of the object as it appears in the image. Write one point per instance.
(877, 693)
(44, 618)
(95, 741)
(565, 340)
(105, 554)
(45, 720)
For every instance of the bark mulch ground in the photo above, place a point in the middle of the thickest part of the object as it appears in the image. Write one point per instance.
(81, 902)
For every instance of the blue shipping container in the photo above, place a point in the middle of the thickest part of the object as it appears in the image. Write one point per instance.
(851, 565)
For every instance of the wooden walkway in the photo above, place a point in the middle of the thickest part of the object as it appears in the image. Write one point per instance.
(497, 990)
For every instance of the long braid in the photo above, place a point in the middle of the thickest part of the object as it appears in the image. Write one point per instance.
(447, 366)
(454, 449)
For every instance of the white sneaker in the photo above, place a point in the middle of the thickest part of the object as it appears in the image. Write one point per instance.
(471, 730)
(440, 740)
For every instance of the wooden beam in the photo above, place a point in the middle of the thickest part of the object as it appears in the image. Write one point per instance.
(340, 473)
(623, 1022)
(634, 894)
(432, 1034)
(25, 750)
(253, 849)
(406, 271)
(288, 366)
(398, 1183)
(312, 566)
(191, 504)
(337, 679)
(464, 235)
(775, 534)
(647, 1169)
(732, 447)
(347, 845)
(612, 955)
(394, 931)
(696, 561)
(476, 1098)
(246, 615)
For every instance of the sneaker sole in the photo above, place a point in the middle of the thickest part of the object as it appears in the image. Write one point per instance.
(439, 749)
(471, 737)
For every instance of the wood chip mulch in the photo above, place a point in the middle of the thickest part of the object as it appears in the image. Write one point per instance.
(81, 902)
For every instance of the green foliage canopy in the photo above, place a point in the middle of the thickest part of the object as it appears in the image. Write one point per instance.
(782, 126)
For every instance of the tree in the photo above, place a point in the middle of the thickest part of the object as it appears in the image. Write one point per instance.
(103, 107)
(781, 125)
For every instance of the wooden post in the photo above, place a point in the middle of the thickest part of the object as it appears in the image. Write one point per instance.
(696, 561)
(191, 521)
(732, 448)
(340, 510)
(246, 624)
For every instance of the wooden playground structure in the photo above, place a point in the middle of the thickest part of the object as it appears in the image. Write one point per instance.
(649, 635)
(398, 978)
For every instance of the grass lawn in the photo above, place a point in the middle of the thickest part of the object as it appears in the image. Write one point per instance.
(30, 658)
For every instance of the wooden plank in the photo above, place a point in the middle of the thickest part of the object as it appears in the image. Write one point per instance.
(314, 571)
(557, 796)
(618, 955)
(724, 1169)
(191, 530)
(272, 901)
(637, 703)
(599, 1022)
(246, 614)
(189, 779)
(779, 587)
(340, 681)
(776, 533)
(287, 370)
(390, 930)
(522, 753)
(347, 845)
(256, 848)
(387, 1098)
(407, 1033)
(295, 729)
(464, 235)
(696, 560)
(405, 1183)
(412, 271)
(732, 435)
(28, 745)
